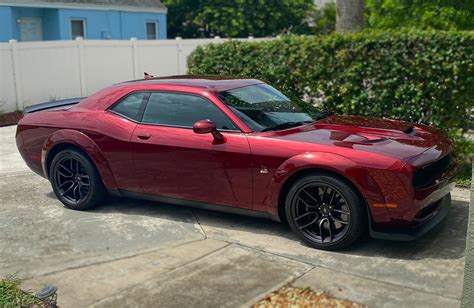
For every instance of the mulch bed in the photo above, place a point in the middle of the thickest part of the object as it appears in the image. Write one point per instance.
(10, 118)
(303, 298)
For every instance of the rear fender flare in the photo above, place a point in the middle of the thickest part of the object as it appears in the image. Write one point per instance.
(87, 145)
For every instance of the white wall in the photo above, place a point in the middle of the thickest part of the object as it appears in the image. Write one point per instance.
(37, 72)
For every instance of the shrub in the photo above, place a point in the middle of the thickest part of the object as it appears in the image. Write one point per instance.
(12, 296)
(415, 76)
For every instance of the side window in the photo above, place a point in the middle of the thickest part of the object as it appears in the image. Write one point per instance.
(183, 110)
(132, 105)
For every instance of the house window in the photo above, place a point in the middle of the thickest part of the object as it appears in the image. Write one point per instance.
(151, 32)
(77, 28)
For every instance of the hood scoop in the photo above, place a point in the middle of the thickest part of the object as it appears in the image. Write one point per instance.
(410, 131)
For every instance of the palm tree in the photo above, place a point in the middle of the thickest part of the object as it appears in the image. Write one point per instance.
(349, 16)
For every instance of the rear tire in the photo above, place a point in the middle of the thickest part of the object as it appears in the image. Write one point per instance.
(325, 212)
(75, 180)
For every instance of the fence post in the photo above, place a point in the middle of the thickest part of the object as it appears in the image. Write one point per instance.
(16, 74)
(178, 54)
(136, 73)
(82, 73)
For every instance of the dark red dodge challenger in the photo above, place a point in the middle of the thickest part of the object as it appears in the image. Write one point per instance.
(240, 145)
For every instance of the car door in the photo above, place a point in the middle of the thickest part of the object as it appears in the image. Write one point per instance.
(173, 161)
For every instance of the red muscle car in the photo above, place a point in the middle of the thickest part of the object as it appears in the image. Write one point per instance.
(240, 145)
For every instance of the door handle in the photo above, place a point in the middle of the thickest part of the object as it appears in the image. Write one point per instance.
(144, 136)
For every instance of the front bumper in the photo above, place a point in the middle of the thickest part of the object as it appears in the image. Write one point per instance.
(408, 234)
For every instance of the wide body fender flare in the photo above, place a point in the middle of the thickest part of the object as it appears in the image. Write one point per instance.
(87, 145)
(340, 165)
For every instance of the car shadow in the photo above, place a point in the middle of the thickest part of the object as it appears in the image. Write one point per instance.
(445, 241)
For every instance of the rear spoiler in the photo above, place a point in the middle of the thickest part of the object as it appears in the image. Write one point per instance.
(53, 105)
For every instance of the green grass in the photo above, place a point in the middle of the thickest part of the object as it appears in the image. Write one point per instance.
(12, 296)
(463, 181)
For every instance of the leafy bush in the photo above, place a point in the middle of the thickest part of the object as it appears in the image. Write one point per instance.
(415, 76)
(12, 296)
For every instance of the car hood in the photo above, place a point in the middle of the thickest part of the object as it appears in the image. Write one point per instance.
(414, 143)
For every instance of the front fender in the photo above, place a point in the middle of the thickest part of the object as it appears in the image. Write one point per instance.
(335, 163)
(86, 144)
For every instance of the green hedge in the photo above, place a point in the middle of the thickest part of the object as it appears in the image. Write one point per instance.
(416, 76)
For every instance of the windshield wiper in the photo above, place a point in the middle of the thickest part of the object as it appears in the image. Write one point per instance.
(285, 125)
(323, 115)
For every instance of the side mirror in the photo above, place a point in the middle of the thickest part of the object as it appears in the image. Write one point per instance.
(206, 127)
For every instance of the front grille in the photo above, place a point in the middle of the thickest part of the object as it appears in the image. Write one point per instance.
(426, 175)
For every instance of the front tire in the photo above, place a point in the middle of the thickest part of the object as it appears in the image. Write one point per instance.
(325, 212)
(75, 180)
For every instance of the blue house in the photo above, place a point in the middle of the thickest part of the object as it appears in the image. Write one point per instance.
(38, 20)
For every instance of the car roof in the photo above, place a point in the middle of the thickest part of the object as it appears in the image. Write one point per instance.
(209, 82)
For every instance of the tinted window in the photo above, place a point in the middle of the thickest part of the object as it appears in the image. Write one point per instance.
(183, 110)
(263, 108)
(131, 105)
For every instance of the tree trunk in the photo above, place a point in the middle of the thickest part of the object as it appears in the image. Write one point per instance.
(349, 16)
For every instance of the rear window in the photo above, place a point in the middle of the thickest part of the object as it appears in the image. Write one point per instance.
(131, 106)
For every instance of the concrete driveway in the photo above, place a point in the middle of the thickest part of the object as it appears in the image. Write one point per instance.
(137, 253)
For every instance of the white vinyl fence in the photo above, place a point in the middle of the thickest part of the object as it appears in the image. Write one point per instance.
(35, 72)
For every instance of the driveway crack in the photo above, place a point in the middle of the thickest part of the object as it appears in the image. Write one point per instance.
(199, 223)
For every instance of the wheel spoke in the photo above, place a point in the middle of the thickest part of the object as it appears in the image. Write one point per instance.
(321, 228)
(84, 184)
(309, 223)
(332, 196)
(340, 221)
(74, 192)
(65, 169)
(64, 183)
(306, 204)
(304, 215)
(311, 196)
(69, 189)
(81, 195)
(330, 226)
(340, 211)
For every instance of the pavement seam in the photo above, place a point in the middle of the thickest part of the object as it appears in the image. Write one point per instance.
(287, 281)
(199, 223)
(164, 273)
(113, 260)
(273, 253)
(350, 274)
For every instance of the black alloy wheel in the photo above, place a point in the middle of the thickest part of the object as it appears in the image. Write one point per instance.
(71, 179)
(325, 212)
(75, 180)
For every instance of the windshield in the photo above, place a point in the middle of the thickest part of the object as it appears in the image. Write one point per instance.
(264, 108)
